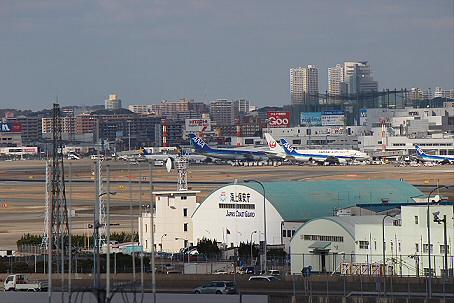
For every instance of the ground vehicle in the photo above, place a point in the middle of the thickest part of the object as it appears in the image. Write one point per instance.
(274, 272)
(20, 282)
(264, 278)
(216, 287)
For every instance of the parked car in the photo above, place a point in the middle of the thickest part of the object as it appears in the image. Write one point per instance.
(249, 270)
(274, 272)
(264, 278)
(216, 287)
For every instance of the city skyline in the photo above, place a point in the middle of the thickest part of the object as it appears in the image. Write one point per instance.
(151, 51)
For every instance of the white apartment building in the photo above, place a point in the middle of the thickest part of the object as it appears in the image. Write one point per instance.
(304, 84)
(336, 85)
(141, 109)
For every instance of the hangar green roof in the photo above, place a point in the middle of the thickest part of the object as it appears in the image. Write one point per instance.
(305, 200)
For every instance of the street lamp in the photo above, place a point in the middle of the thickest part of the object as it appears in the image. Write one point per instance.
(264, 216)
(384, 252)
(185, 241)
(252, 257)
(164, 235)
(439, 221)
(429, 288)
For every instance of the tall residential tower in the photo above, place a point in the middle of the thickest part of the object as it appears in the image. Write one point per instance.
(304, 85)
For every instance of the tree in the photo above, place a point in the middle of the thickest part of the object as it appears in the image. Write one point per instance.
(208, 247)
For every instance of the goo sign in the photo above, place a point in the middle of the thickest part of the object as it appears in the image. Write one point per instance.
(278, 119)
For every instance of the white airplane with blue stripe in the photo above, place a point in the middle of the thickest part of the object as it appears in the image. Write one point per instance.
(443, 159)
(201, 147)
(332, 156)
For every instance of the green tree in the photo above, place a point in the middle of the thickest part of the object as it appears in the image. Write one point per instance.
(208, 247)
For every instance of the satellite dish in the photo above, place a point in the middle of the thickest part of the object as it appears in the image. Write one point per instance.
(169, 164)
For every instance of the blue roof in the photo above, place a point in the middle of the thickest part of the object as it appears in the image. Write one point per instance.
(305, 200)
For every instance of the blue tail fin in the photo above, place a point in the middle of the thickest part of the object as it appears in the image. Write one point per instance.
(199, 144)
(419, 151)
(289, 149)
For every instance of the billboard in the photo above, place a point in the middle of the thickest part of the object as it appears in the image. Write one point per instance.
(333, 118)
(11, 127)
(198, 125)
(311, 119)
(278, 119)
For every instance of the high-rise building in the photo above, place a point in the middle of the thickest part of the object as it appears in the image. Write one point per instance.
(336, 85)
(113, 102)
(223, 112)
(304, 85)
(242, 105)
(358, 78)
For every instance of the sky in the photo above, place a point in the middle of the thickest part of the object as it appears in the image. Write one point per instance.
(150, 50)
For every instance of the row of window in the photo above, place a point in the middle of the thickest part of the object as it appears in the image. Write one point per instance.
(288, 233)
(323, 238)
(425, 247)
(237, 206)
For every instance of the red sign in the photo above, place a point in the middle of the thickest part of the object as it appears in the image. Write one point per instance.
(278, 119)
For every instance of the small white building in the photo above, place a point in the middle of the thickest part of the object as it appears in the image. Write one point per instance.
(354, 244)
(172, 221)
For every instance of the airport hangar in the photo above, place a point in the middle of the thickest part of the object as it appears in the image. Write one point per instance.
(234, 213)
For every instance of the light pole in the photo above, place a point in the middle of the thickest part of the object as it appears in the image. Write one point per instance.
(439, 221)
(164, 235)
(384, 252)
(264, 216)
(252, 257)
(185, 241)
(129, 135)
(429, 288)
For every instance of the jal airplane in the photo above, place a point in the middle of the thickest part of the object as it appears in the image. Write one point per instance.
(201, 147)
(314, 155)
(443, 159)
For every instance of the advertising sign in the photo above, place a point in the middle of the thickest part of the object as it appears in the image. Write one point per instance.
(11, 127)
(311, 119)
(333, 118)
(278, 119)
(198, 125)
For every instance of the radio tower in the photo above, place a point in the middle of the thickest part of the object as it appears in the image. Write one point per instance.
(45, 239)
(59, 233)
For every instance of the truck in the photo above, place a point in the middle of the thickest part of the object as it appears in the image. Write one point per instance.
(20, 282)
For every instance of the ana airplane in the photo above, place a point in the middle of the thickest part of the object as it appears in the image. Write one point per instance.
(201, 147)
(332, 156)
(443, 159)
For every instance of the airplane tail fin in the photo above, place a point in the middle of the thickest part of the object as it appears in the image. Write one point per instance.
(199, 144)
(289, 149)
(273, 145)
(419, 151)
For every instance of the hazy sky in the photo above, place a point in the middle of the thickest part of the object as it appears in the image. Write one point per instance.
(147, 51)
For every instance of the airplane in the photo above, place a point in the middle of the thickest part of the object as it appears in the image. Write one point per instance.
(163, 157)
(201, 147)
(443, 159)
(330, 156)
(275, 147)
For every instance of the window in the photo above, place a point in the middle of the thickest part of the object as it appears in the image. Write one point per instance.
(284, 233)
(442, 249)
(322, 238)
(185, 227)
(399, 246)
(425, 248)
(293, 233)
(146, 244)
(146, 227)
(416, 219)
(185, 212)
(363, 244)
(375, 245)
(417, 247)
(184, 197)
